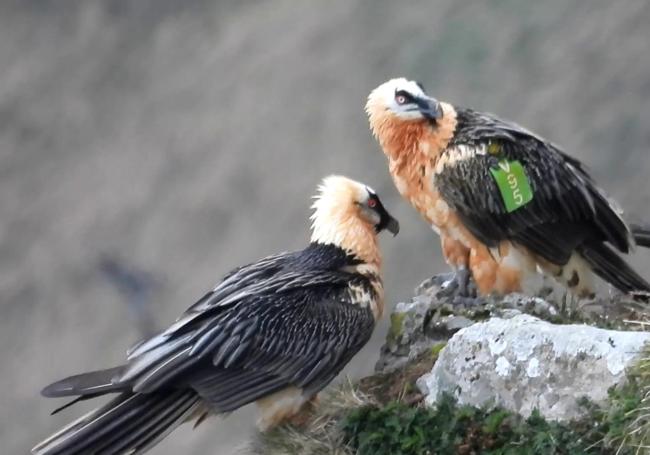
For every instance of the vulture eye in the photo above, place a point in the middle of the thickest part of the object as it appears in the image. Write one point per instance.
(372, 203)
(401, 99)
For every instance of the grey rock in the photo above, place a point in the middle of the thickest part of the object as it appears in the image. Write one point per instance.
(433, 316)
(457, 322)
(406, 339)
(523, 363)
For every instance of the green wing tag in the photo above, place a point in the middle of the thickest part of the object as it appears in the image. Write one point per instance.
(513, 184)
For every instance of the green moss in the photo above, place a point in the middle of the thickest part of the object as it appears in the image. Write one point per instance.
(445, 312)
(397, 428)
(396, 326)
(628, 416)
(381, 415)
(494, 421)
(478, 315)
(436, 348)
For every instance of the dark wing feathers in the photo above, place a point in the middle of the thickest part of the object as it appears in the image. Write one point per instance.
(130, 423)
(314, 345)
(609, 265)
(237, 388)
(567, 209)
(272, 326)
(96, 382)
(641, 234)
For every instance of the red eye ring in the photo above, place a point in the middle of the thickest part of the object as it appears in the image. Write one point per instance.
(372, 203)
(400, 99)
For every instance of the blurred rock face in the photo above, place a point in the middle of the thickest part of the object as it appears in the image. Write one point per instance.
(186, 138)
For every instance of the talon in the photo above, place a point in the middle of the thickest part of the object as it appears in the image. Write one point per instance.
(442, 279)
(448, 287)
(456, 284)
(462, 276)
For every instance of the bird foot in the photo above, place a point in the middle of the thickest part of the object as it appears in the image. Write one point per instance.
(467, 301)
(456, 284)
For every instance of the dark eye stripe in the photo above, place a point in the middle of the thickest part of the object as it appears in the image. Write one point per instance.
(409, 98)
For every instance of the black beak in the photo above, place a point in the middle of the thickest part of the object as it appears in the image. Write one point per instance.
(386, 221)
(392, 226)
(429, 107)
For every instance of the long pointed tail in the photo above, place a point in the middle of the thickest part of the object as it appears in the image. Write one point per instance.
(641, 234)
(612, 268)
(131, 423)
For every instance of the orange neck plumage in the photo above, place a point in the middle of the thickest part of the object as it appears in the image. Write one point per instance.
(413, 149)
(410, 144)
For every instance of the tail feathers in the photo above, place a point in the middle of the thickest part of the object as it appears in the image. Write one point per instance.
(131, 423)
(93, 383)
(641, 235)
(73, 402)
(612, 268)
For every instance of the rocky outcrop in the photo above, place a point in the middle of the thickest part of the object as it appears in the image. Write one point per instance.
(524, 363)
(519, 352)
(431, 317)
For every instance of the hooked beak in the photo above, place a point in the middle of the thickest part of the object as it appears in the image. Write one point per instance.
(429, 108)
(392, 226)
(387, 222)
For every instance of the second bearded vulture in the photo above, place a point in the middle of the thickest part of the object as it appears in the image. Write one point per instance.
(506, 202)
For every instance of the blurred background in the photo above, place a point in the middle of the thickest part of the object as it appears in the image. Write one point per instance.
(147, 147)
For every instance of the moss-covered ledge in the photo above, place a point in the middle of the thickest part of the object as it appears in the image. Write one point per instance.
(384, 415)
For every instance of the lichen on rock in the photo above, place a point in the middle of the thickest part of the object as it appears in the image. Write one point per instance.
(432, 316)
(524, 363)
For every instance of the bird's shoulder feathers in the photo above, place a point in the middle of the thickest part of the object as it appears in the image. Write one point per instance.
(567, 208)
